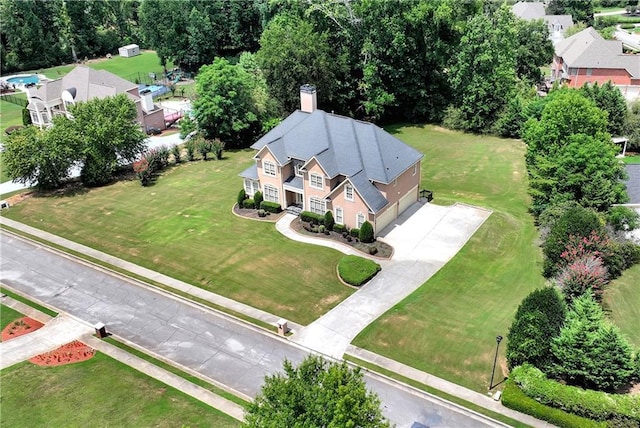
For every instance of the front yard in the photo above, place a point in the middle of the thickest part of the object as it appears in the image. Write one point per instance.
(183, 227)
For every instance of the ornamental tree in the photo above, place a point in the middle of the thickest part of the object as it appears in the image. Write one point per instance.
(590, 351)
(316, 393)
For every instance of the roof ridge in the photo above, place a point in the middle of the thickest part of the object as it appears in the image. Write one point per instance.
(353, 129)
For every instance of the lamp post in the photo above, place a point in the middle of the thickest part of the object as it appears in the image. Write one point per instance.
(495, 359)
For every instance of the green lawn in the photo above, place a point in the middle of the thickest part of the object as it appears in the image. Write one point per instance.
(7, 316)
(183, 226)
(10, 115)
(622, 302)
(448, 326)
(146, 62)
(99, 392)
(631, 159)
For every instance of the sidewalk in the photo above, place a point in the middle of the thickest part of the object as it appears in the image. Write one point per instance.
(63, 329)
(152, 275)
(443, 385)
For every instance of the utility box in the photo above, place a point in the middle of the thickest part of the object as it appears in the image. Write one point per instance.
(101, 330)
(283, 328)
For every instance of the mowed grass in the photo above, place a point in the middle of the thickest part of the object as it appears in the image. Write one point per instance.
(10, 115)
(448, 326)
(183, 226)
(622, 304)
(99, 392)
(148, 61)
(7, 316)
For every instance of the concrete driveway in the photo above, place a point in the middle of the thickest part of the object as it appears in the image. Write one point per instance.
(425, 237)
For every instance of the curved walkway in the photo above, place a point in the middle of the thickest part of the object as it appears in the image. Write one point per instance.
(425, 237)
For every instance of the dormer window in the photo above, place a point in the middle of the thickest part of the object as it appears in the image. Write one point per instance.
(297, 167)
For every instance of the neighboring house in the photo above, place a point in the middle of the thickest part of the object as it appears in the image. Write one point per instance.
(319, 162)
(586, 57)
(83, 84)
(557, 24)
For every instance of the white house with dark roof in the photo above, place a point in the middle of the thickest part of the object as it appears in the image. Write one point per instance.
(557, 24)
(318, 161)
(83, 84)
(586, 57)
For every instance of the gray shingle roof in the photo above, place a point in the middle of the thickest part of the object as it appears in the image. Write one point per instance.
(340, 144)
(251, 172)
(89, 84)
(587, 49)
(633, 183)
(371, 195)
(528, 10)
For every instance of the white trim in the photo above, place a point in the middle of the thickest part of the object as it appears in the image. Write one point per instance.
(346, 193)
(315, 200)
(319, 178)
(358, 216)
(339, 218)
(269, 168)
(271, 193)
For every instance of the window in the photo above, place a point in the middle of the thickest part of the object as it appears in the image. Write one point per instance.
(573, 71)
(415, 169)
(269, 168)
(395, 182)
(317, 205)
(348, 192)
(297, 167)
(339, 216)
(316, 181)
(251, 186)
(34, 117)
(589, 71)
(271, 194)
(359, 220)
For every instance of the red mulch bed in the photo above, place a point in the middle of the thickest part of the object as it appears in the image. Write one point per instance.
(73, 352)
(19, 327)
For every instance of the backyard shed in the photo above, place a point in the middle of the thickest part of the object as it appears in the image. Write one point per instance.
(129, 50)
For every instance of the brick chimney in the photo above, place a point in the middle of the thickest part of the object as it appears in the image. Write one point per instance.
(308, 99)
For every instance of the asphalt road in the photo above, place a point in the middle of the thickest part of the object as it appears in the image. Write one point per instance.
(228, 351)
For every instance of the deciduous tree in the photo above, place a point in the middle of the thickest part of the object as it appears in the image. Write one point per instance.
(315, 394)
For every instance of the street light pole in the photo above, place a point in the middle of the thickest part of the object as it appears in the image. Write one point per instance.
(495, 359)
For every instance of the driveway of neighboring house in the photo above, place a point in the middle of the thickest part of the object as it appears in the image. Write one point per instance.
(425, 238)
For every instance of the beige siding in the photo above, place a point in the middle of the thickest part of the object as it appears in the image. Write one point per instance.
(350, 209)
(405, 183)
(266, 156)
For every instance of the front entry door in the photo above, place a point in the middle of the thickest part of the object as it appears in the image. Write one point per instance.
(299, 199)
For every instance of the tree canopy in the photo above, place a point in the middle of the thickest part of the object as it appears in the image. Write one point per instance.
(316, 393)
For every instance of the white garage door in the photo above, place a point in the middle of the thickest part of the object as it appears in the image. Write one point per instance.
(407, 200)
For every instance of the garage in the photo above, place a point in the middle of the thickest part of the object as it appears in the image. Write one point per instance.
(386, 217)
(407, 200)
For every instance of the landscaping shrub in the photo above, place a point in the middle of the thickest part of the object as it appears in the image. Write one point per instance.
(590, 351)
(242, 195)
(176, 153)
(623, 218)
(216, 147)
(339, 228)
(539, 318)
(143, 172)
(321, 228)
(576, 222)
(356, 270)
(257, 198)
(187, 126)
(310, 217)
(355, 232)
(248, 203)
(26, 117)
(595, 405)
(514, 398)
(586, 274)
(190, 147)
(271, 207)
(366, 232)
(329, 222)
(262, 213)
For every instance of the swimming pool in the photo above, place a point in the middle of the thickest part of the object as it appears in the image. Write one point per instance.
(24, 79)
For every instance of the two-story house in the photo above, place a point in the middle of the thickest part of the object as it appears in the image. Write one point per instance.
(319, 162)
(83, 84)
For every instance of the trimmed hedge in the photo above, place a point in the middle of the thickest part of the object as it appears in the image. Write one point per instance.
(248, 203)
(514, 398)
(339, 228)
(357, 270)
(242, 195)
(355, 232)
(270, 207)
(595, 405)
(366, 232)
(310, 217)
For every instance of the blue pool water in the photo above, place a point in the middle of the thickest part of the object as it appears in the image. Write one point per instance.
(24, 79)
(156, 90)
